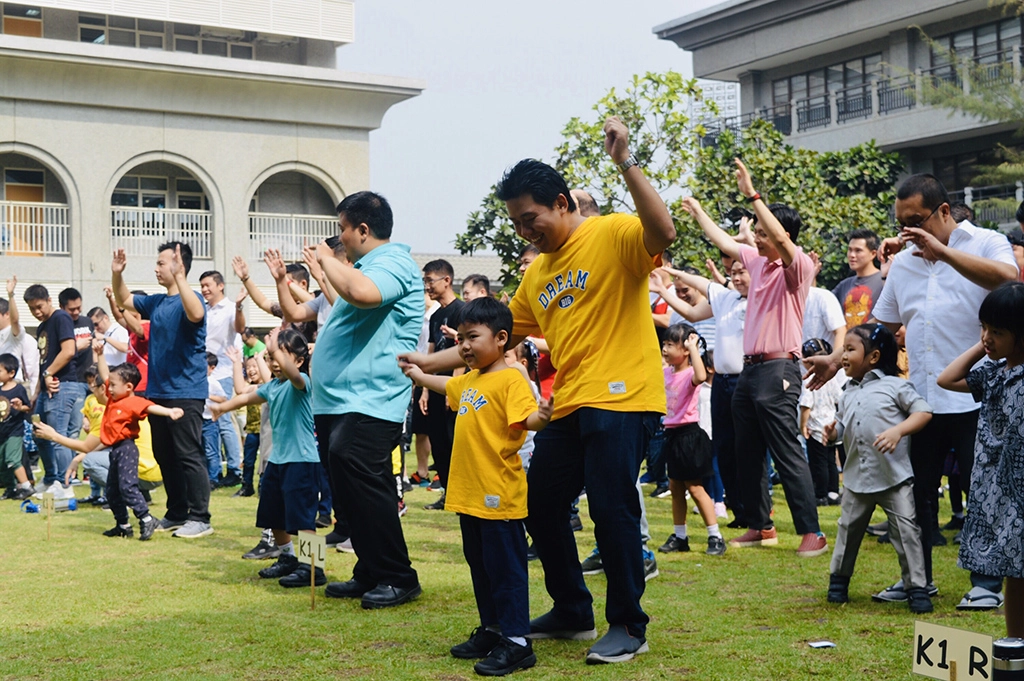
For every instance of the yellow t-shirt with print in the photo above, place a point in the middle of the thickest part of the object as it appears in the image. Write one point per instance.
(148, 468)
(590, 300)
(486, 478)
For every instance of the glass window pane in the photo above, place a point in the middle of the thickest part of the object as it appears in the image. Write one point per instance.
(92, 35)
(189, 186)
(1009, 33)
(945, 170)
(151, 42)
(872, 67)
(151, 26)
(159, 183)
(190, 202)
(13, 176)
(241, 51)
(124, 199)
(834, 74)
(24, 11)
(816, 83)
(186, 29)
(121, 22)
(799, 84)
(122, 38)
(154, 201)
(186, 45)
(215, 47)
(92, 19)
(853, 72)
(986, 39)
(963, 42)
(128, 182)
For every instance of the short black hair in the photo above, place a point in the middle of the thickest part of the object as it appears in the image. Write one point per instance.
(529, 248)
(587, 205)
(217, 276)
(211, 360)
(36, 292)
(5, 306)
(870, 238)
(371, 209)
(960, 211)
(878, 337)
(298, 272)
(90, 374)
(97, 311)
(537, 179)
(1003, 308)
(67, 295)
(478, 280)
(488, 312)
(247, 331)
(788, 218)
(439, 266)
(9, 362)
(1020, 213)
(933, 194)
(186, 252)
(128, 372)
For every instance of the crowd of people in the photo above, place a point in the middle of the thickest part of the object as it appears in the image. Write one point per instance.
(725, 385)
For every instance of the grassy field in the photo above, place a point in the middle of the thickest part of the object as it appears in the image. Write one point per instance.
(82, 606)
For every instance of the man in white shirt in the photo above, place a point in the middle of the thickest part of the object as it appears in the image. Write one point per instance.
(15, 340)
(115, 337)
(935, 288)
(221, 335)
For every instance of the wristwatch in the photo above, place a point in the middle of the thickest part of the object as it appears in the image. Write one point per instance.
(628, 163)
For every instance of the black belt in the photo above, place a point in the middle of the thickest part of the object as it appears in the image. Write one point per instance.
(768, 357)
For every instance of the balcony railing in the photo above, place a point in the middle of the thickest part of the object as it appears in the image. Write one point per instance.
(896, 94)
(814, 112)
(288, 233)
(140, 231)
(852, 103)
(992, 204)
(33, 228)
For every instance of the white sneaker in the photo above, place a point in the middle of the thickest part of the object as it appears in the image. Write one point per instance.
(346, 546)
(64, 492)
(720, 510)
(55, 488)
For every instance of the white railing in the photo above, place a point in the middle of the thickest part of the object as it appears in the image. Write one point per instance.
(288, 233)
(140, 231)
(33, 228)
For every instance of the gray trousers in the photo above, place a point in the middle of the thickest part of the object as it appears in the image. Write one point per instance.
(898, 504)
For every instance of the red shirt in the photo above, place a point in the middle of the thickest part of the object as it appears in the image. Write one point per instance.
(138, 354)
(121, 418)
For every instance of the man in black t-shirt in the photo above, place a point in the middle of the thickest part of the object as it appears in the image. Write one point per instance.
(59, 388)
(437, 282)
(70, 301)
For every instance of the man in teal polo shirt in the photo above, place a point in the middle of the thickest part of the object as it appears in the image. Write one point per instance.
(360, 395)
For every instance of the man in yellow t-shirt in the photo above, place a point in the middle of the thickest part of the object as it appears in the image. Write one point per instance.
(587, 294)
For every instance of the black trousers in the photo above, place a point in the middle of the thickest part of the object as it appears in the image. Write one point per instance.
(321, 422)
(440, 426)
(359, 449)
(123, 482)
(724, 441)
(764, 410)
(496, 553)
(822, 461)
(178, 449)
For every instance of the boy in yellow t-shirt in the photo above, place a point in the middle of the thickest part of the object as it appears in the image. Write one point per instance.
(487, 485)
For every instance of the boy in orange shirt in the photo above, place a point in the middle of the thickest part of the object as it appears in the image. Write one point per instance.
(118, 431)
(494, 408)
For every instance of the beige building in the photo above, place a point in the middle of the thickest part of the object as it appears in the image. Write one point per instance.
(221, 123)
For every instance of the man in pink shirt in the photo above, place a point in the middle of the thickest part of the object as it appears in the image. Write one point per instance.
(765, 402)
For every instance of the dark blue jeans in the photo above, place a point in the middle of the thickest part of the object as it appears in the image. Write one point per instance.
(601, 450)
(251, 451)
(496, 553)
(657, 465)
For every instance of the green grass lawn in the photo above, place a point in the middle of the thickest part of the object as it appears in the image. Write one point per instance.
(82, 606)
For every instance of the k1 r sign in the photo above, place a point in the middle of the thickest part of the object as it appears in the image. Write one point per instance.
(951, 654)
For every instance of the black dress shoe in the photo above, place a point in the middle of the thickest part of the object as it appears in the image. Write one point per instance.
(384, 596)
(300, 577)
(349, 589)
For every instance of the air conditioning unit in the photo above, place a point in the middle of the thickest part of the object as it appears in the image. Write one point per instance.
(274, 39)
(223, 33)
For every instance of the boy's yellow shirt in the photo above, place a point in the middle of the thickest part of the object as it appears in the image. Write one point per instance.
(486, 479)
(591, 303)
(148, 468)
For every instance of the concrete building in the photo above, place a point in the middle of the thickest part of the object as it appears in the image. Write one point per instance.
(831, 74)
(221, 123)
(724, 94)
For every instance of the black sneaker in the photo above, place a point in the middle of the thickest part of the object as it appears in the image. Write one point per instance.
(8, 493)
(505, 658)
(531, 553)
(938, 539)
(481, 642)
(878, 529)
(166, 524)
(147, 526)
(575, 522)
(335, 538)
(102, 501)
(955, 523)
(323, 520)
(263, 551)
(918, 601)
(737, 524)
(618, 645)
(592, 564)
(435, 484)
(437, 505)
(300, 577)
(245, 491)
(230, 481)
(22, 493)
(838, 589)
(661, 491)
(285, 565)
(716, 546)
(118, 531)
(674, 544)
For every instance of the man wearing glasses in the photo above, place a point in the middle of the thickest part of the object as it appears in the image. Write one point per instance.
(935, 287)
(437, 282)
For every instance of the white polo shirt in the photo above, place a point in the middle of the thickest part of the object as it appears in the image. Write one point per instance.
(939, 307)
(822, 315)
(221, 335)
(730, 311)
(110, 353)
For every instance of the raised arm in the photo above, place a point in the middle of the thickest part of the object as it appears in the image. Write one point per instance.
(284, 360)
(122, 296)
(352, 286)
(317, 272)
(266, 375)
(101, 361)
(700, 372)
(722, 240)
(241, 269)
(190, 302)
(128, 321)
(659, 230)
(234, 403)
(954, 377)
(12, 306)
(694, 281)
(238, 372)
(240, 310)
(691, 313)
(768, 222)
(984, 272)
(292, 310)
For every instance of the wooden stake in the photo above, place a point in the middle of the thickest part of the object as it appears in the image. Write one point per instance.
(312, 582)
(952, 670)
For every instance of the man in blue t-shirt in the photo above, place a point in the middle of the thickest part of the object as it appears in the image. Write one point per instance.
(177, 378)
(360, 394)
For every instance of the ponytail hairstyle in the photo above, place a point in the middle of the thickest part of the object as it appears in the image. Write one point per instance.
(678, 333)
(293, 342)
(878, 337)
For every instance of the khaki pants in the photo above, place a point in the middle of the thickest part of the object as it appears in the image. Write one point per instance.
(898, 504)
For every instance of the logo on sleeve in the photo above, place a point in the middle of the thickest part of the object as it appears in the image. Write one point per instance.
(560, 289)
(471, 398)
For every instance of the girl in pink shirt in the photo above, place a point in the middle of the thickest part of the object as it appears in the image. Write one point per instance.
(687, 446)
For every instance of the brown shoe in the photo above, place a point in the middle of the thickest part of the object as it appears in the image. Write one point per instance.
(752, 537)
(813, 544)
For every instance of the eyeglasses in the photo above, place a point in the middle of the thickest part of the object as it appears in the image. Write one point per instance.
(431, 282)
(920, 222)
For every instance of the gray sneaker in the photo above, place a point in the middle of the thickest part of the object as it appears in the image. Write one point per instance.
(897, 593)
(168, 525)
(193, 529)
(616, 646)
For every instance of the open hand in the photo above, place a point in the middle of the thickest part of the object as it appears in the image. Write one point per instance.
(820, 371)
(118, 263)
(928, 246)
(743, 179)
(176, 266)
(233, 354)
(616, 139)
(888, 440)
(691, 206)
(278, 270)
(240, 266)
(242, 295)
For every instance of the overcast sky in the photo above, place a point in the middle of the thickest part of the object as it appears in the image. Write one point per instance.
(502, 79)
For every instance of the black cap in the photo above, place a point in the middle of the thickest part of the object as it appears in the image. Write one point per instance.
(1016, 236)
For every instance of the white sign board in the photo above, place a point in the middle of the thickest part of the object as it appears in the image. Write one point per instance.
(938, 650)
(309, 545)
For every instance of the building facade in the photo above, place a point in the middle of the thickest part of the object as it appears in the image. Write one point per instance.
(831, 74)
(219, 123)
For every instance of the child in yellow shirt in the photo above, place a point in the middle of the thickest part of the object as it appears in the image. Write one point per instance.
(487, 485)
